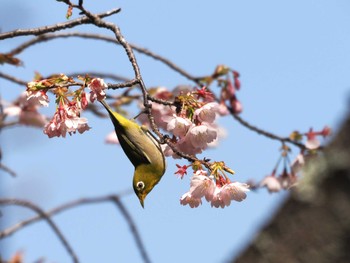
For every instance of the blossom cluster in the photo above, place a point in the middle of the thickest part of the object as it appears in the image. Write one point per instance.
(229, 88)
(67, 117)
(187, 113)
(312, 142)
(288, 177)
(217, 190)
(191, 120)
(275, 183)
(26, 110)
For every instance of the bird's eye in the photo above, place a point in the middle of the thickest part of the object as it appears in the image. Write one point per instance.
(140, 185)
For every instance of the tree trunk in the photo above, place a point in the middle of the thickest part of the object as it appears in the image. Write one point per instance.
(313, 225)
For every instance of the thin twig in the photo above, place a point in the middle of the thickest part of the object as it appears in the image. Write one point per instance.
(99, 75)
(133, 228)
(13, 79)
(126, 84)
(160, 101)
(8, 170)
(55, 27)
(265, 133)
(42, 214)
(48, 37)
(130, 54)
(9, 124)
(166, 61)
(85, 201)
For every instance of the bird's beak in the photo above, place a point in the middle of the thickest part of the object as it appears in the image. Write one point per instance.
(142, 199)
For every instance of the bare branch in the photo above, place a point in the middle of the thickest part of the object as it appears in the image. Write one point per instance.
(160, 101)
(265, 133)
(55, 27)
(8, 170)
(99, 75)
(48, 37)
(133, 228)
(13, 79)
(9, 124)
(84, 201)
(166, 61)
(46, 217)
(129, 83)
(259, 130)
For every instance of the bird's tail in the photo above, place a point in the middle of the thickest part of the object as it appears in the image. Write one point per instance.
(104, 103)
(119, 121)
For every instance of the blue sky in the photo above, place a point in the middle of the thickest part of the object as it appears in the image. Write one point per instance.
(294, 58)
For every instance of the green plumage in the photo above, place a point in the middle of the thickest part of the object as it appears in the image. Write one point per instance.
(143, 151)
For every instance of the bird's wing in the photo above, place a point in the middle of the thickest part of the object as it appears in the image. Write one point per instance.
(132, 147)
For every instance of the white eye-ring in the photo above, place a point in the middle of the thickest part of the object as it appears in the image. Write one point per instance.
(140, 185)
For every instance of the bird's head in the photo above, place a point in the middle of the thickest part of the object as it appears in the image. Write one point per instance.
(143, 183)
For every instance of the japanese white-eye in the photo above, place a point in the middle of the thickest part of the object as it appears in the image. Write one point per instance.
(143, 151)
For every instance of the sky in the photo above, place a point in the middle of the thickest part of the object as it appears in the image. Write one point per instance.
(293, 57)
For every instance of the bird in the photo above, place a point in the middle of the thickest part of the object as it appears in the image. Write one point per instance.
(143, 151)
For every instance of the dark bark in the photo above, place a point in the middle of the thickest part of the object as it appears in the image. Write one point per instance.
(313, 225)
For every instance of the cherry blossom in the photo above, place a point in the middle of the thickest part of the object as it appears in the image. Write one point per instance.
(221, 133)
(326, 131)
(66, 119)
(312, 142)
(298, 163)
(222, 109)
(178, 126)
(198, 138)
(185, 145)
(202, 185)
(32, 118)
(219, 194)
(236, 105)
(216, 201)
(228, 91)
(237, 82)
(188, 199)
(83, 100)
(204, 93)
(82, 125)
(201, 135)
(38, 97)
(182, 171)
(97, 87)
(12, 110)
(287, 180)
(232, 191)
(271, 183)
(26, 111)
(161, 113)
(207, 113)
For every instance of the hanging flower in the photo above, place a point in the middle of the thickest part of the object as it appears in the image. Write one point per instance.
(271, 183)
(97, 87)
(188, 199)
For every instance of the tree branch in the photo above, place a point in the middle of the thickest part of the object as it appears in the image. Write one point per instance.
(263, 132)
(8, 170)
(133, 228)
(13, 79)
(46, 217)
(155, 56)
(84, 201)
(102, 75)
(55, 27)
